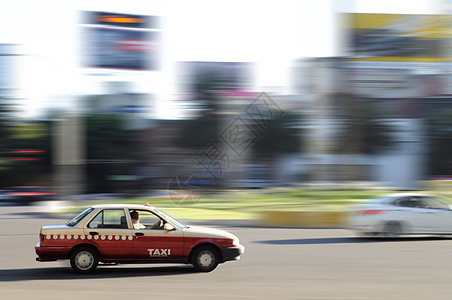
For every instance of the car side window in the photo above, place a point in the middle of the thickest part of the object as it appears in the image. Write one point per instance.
(407, 202)
(109, 218)
(419, 202)
(147, 218)
(433, 203)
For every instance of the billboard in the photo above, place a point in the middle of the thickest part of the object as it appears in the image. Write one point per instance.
(120, 41)
(400, 38)
(122, 20)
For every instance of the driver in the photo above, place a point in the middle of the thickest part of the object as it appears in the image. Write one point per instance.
(137, 225)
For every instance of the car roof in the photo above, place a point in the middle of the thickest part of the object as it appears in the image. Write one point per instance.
(390, 197)
(406, 194)
(131, 206)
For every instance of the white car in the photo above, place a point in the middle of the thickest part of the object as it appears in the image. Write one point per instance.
(398, 214)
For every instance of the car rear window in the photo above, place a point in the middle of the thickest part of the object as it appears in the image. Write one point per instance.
(381, 199)
(79, 217)
(109, 218)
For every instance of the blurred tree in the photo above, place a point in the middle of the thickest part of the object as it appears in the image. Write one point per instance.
(283, 136)
(109, 151)
(197, 133)
(439, 138)
(207, 85)
(27, 153)
(106, 136)
(364, 129)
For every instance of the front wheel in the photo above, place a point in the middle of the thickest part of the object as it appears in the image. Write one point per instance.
(205, 259)
(84, 260)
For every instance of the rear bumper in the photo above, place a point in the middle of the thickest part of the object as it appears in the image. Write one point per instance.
(364, 224)
(232, 253)
(51, 253)
(44, 259)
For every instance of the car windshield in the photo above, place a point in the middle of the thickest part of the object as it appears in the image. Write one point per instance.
(79, 217)
(176, 223)
(381, 199)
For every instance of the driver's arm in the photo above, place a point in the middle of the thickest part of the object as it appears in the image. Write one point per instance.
(157, 224)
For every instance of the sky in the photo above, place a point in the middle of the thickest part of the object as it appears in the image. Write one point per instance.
(271, 33)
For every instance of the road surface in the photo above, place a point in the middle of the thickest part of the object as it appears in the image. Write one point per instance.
(278, 264)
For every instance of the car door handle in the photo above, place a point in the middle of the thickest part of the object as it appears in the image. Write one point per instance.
(94, 233)
(139, 233)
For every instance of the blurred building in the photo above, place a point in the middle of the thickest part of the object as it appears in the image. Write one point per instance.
(402, 98)
(8, 80)
(135, 107)
(396, 65)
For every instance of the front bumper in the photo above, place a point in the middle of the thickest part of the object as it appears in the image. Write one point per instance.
(232, 253)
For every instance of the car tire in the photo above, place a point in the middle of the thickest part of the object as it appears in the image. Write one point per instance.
(205, 259)
(84, 260)
(392, 229)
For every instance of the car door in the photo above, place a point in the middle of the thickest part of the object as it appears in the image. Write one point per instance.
(108, 230)
(437, 214)
(412, 215)
(156, 244)
(426, 219)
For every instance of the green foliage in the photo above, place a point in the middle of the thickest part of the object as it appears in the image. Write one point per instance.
(106, 137)
(283, 135)
(365, 130)
(198, 133)
(110, 151)
(33, 136)
(439, 136)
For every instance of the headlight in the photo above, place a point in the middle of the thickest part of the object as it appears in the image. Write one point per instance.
(236, 242)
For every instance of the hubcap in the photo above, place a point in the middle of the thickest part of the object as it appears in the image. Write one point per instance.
(84, 260)
(206, 259)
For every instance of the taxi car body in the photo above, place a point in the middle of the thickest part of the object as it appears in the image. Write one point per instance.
(108, 234)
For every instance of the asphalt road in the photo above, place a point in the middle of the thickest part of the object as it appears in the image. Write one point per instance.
(278, 264)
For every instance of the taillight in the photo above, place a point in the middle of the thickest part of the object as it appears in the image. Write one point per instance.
(371, 212)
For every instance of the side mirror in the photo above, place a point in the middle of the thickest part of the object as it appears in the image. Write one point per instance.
(168, 227)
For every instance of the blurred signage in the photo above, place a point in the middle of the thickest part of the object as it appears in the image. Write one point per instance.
(122, 20)
(137, 109)
(120, 41)
(393, 37)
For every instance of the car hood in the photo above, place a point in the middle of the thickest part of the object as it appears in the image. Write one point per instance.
(208, 232)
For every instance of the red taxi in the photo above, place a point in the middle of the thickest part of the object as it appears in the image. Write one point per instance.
(118, 233)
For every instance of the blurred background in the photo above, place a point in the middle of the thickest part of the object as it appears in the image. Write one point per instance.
(110, 100)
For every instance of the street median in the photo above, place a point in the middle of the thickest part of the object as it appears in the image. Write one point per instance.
(304, 218)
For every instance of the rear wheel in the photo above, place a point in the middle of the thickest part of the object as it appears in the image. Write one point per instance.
(392, 229)
(367, 234)
(205, 259)
(84, 260)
